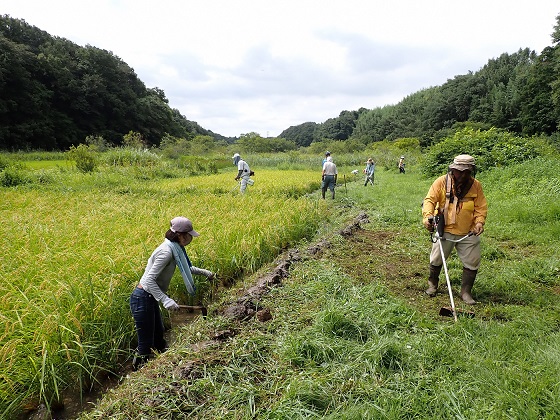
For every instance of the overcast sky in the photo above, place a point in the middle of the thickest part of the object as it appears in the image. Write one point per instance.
(241, 66)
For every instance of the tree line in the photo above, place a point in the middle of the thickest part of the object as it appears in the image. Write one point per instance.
(517, 92)
(55, 94)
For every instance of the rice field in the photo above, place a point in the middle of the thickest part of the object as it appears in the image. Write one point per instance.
(74, 249)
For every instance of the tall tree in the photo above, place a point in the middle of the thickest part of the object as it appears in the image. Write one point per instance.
(538, 112)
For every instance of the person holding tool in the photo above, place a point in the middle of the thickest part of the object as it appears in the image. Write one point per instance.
(152, 288)
(243, 172)
(458, 203)
(369, 171)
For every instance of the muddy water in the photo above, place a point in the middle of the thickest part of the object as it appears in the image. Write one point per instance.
(178, 318)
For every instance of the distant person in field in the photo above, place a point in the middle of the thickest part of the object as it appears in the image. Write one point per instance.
(401, 165)
(243, 172)
(327, 154)
(152, 288)
(459, 197)
(329, 177)
(369, 171)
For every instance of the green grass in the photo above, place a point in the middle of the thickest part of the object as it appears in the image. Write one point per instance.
(353, 336)
(47, 164)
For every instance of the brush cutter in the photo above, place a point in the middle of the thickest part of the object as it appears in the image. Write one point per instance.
(238, 183)
(447, 311)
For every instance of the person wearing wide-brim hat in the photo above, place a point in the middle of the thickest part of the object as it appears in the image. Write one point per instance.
(369, 171)
(458, 196)
(152, 287)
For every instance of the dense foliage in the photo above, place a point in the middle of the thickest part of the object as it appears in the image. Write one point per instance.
(54, 93)
(491, 148)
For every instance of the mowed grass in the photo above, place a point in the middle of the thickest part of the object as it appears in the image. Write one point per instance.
(74, 250)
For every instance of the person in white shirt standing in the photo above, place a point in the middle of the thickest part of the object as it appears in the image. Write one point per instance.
(244, 172)
(329, 177)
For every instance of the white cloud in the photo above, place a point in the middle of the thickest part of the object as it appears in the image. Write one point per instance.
(263, 66)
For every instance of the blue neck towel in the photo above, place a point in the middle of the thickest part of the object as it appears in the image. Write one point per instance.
(184, 264)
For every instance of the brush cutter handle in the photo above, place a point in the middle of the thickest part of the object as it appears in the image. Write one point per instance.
(430, 226)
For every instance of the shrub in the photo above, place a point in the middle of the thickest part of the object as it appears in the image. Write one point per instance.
(13, 176)
(491, 148)
(84, 156)
(134, 139)
(4, 162)
(127, 156)
(98, 142)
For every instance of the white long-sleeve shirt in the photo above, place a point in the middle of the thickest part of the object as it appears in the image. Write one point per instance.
(159, 271)
(244, 168)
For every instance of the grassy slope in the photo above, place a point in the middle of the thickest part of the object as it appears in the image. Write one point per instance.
(354, 336)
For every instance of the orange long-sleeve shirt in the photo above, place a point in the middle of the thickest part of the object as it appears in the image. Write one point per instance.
(469, 211)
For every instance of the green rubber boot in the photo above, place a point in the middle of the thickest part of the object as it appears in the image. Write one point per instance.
(467, 284)
(433, 280)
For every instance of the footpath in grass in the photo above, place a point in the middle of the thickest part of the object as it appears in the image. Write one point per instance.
(352, 335)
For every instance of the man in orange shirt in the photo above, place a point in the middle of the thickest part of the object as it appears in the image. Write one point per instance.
(459, 198)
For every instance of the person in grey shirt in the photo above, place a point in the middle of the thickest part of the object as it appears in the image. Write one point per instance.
(152, 288)
(369, 171)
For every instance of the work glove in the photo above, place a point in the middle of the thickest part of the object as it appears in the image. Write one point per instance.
(169, 304)
(209, 275)
(429, 224)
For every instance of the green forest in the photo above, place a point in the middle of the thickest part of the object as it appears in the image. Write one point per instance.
(55, 94)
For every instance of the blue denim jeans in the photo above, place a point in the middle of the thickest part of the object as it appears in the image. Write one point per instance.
(149, 324)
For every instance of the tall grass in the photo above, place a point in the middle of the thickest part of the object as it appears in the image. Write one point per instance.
(354, 336)
(75, 249)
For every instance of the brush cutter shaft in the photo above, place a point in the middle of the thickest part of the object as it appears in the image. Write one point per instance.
(447, 280)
